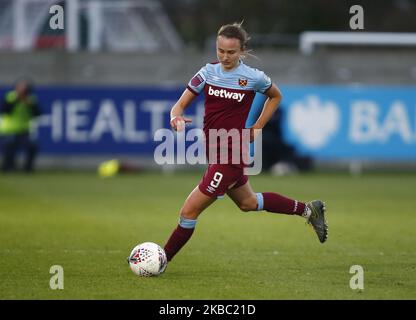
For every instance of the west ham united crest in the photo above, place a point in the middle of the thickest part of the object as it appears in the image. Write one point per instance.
(242, 82)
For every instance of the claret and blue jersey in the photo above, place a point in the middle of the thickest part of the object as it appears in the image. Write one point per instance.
(228, 94)
(228, 99)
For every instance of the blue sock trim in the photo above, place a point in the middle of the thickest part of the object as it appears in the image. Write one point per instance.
(260, 201)
(187, 223)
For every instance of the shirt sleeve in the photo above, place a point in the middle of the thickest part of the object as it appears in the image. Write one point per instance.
(263, 83)
(197, 83)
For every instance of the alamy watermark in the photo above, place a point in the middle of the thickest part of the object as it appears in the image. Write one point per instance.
(219, 146)
(57, 280)
(357, 280)
(57, 19)
(357, 20)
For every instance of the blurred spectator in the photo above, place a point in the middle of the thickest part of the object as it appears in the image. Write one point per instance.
(18, 108)
(279, 157)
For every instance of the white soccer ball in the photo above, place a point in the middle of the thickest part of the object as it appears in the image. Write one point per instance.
(148, 259)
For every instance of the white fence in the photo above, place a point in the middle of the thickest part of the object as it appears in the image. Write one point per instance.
(309, 39)
(124, 25)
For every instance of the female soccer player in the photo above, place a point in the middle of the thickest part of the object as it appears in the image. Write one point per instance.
(230, 86)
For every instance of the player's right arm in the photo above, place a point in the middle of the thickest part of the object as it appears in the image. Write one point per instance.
(177, 120)
(194, 88)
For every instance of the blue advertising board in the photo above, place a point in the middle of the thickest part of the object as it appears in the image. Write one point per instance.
(349, 122)
(326, 122)
(102, 120)
(361, 122)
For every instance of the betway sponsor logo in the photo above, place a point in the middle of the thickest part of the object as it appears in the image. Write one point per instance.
(225, 94)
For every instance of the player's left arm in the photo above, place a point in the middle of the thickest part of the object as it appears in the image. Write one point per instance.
(274, 97)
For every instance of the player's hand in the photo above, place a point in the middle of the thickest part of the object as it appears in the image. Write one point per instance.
(178, 123)
(254, 132)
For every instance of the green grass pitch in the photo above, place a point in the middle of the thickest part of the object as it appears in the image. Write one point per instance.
(88, 225)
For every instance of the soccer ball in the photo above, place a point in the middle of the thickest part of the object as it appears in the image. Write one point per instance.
(147, 259)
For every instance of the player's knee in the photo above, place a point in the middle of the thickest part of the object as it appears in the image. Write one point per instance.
(249, 204)
(189, 212)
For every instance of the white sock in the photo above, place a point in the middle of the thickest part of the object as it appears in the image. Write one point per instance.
(307, 213)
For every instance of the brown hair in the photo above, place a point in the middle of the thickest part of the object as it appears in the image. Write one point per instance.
(235, 30)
